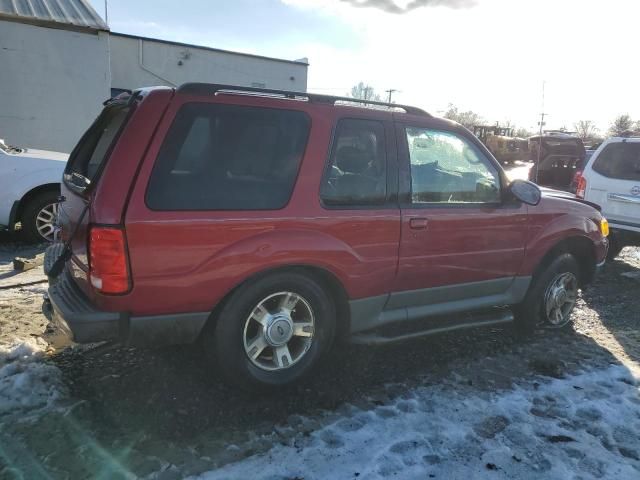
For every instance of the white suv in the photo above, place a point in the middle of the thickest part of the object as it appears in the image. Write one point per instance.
(611, 178)
(29, 190)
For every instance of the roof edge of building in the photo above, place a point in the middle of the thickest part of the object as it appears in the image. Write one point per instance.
(212, 49)
(39, 22)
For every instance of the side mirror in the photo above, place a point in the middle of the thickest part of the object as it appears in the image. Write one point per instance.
(526, 192)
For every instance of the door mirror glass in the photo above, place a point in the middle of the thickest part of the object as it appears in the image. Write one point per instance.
(526, 192)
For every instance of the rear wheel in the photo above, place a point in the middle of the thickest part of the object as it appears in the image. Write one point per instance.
(552, 296)
(39, 216)
(272, 332)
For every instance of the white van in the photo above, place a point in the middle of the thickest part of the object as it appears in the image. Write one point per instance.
(611, 178)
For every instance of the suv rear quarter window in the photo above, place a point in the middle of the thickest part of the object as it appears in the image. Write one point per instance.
(357, 170)
(90, 154)
(228, 157)
(619, 160)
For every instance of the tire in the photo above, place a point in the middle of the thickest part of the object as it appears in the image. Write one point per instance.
(532, 312)
(32, 225)
(614, 248)
(237, 331)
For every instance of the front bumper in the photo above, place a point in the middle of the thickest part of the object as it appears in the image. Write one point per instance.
(72, 312)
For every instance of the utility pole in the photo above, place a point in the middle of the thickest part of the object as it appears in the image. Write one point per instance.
(390, 92)
(542, 124)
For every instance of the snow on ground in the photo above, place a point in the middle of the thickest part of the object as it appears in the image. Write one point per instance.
(580, 427)
(27, 382)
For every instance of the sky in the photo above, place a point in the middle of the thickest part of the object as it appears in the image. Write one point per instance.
(489, 56)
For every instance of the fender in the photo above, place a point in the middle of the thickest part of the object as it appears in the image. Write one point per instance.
(14, 186)
(266, 251)
(25, 183)
(546, 236)
(360, 274)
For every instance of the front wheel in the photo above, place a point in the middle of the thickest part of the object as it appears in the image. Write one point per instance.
(273, 331)
(39, 216)
(552, 296)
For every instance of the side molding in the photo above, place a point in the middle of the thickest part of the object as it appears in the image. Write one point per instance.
(375, 312)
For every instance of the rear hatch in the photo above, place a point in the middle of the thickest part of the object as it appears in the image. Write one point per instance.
(613, 181)
(84, 168)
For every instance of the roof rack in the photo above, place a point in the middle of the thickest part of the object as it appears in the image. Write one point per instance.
(213, 88)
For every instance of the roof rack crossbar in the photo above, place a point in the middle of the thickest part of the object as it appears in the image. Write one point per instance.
(213, 88)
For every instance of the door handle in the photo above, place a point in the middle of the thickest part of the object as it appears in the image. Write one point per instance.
(418, 223)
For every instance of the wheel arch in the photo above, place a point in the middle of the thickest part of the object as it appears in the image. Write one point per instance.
(28, 196)
(582, 248)
(322, 275)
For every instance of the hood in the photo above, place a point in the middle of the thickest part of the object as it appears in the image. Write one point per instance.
(43, 154)
(550, 192)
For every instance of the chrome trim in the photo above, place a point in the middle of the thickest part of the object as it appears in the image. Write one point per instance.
(619, 197)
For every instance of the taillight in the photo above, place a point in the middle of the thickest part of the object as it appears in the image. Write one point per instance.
(582, 187)
(108, 270)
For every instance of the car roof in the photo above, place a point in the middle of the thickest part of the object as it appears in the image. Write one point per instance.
(313, 98)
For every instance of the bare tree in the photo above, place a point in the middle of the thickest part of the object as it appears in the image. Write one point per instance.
(586, 129)
(467, 119)
(522, 133)
(362, 91)
(621, 125)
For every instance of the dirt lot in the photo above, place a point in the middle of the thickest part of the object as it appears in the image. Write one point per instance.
(125, 413)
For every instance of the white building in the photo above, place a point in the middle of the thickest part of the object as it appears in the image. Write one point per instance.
(59, 62)
(139, 61)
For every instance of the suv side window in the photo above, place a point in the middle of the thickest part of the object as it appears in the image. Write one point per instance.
(228, 157)
(357, 170)
(446, 168)
(620, 160)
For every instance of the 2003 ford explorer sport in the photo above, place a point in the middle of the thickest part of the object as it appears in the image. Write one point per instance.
(264, 224)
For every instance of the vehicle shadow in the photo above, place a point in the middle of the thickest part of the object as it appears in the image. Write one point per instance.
(138, 411)
(614, 298)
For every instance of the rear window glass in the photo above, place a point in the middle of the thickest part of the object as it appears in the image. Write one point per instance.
(91, 152)
(619, 160)
(228, 157)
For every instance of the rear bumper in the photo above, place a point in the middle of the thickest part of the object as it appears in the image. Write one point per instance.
(70, 310)
(74, 314)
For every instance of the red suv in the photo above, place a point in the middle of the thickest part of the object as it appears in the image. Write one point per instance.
(264, 224)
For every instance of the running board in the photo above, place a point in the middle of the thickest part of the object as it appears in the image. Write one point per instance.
(374, 338)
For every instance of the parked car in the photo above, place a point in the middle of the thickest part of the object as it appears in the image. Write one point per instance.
(611, 179)
(29, 190)
(560, 162)
(264, 224)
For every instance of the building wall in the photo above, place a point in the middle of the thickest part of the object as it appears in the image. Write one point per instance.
(52, 84)
(142, 62)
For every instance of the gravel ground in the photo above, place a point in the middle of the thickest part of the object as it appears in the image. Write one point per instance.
(127, 413)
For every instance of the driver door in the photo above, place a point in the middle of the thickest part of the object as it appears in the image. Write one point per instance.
(456, 229)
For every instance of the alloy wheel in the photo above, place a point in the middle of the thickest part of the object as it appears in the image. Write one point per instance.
(559, 299)
(45, 221)
(279, 331)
